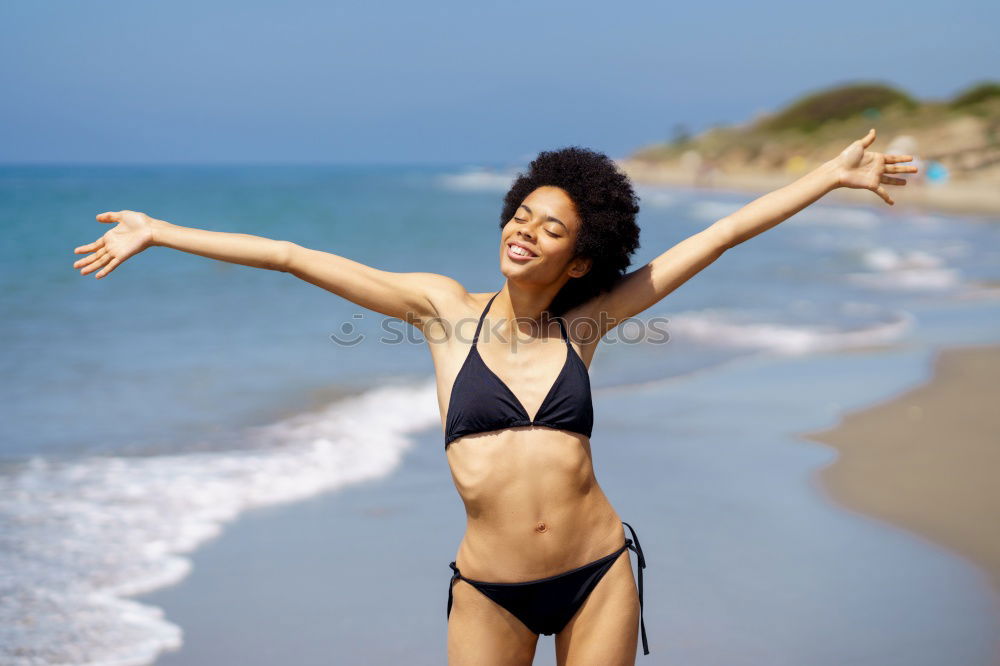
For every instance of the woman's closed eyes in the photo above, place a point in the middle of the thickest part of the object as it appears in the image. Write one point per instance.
(518, 219)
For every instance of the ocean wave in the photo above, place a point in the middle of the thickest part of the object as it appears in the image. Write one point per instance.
(656, 197)
(754, 330)
(907, 270)
(478, 179)
(824, 215)
(79, 535)
(837, 216)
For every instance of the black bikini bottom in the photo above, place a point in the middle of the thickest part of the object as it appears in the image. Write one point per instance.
(546, 605)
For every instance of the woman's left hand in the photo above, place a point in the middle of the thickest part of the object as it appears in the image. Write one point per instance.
(865, 169)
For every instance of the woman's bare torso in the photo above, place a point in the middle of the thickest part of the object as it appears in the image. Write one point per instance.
(533, 505)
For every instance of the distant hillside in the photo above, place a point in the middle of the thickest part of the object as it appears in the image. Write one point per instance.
(961, 134)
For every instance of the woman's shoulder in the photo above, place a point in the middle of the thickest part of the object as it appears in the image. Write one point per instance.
(587, 322)
(457, 311)
(453, 301)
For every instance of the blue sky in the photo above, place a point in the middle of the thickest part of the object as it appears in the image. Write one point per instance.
(112, 81)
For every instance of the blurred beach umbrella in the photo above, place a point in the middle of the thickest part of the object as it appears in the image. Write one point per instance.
(937, 172)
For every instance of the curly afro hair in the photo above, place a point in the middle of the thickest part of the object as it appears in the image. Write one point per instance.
(607, 207)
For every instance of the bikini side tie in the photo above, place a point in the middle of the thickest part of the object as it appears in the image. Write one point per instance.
(452, 584)
(642, 565)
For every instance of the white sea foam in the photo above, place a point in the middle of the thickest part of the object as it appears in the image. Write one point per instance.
(479, 179)
(820, 215)
(748, 330)
(885, 259)
(77, 536)
(656, 197)
(905, 270)
(837, 216)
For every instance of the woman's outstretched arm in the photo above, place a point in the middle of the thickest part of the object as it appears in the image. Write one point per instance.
(408, 296)
(855, 167)
(412, 297)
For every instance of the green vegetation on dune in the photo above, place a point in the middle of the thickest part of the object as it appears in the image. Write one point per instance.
(815, 109)
(977, 94)
(813, 127)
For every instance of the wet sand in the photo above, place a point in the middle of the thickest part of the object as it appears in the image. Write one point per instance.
(928, 460)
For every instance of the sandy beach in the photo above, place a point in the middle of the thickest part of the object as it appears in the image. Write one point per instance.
(980, 197)
(927, 460)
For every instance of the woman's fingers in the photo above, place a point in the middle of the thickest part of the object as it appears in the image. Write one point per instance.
(885, 195)
(110, 267)
(99, 260)
(90, 247)
(86, 261)
(889, 180)
(892, 159)
(867, 139)
(110, 216)
(892, 168)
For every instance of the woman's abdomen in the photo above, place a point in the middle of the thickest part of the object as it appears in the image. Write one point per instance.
(533, 505)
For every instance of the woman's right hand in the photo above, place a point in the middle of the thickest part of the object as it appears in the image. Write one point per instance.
(132, 233)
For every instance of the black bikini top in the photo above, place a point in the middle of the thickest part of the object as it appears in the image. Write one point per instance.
(481, 402)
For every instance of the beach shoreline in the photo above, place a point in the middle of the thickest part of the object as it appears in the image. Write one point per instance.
(925, 460)
(972, 198)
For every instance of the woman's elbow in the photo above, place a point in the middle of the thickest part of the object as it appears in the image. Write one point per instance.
(724, 235)
(283, 255)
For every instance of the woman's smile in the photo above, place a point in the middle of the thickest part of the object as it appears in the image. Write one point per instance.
(519, 252)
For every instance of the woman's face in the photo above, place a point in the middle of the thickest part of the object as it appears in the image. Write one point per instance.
(537, 244)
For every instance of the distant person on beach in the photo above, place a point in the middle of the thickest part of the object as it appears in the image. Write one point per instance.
(542, 548)
(699, 168)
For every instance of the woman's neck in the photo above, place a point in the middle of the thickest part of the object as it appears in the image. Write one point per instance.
(524, 305)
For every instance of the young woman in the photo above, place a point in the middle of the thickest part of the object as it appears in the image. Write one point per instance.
(541, 552)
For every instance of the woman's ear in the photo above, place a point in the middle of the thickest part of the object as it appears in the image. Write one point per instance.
(579, 267)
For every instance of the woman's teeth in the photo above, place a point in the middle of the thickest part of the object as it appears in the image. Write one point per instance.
(520, 251)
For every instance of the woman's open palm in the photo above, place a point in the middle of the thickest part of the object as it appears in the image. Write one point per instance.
(131, 234)
(866, 169)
